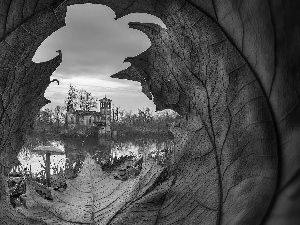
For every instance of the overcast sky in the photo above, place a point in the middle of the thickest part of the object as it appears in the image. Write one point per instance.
(94, 46)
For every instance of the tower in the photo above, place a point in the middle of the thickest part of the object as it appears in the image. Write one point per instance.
(105, 111)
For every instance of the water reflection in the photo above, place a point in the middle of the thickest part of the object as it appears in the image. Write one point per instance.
(103, 151)
(122, 158)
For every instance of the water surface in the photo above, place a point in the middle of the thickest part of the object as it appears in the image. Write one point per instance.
(100, 148)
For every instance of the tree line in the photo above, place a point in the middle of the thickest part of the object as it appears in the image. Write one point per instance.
(52, 121)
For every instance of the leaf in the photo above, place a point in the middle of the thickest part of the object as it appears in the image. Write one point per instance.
(272, 50)
(226, 149)
(23, 82)
(265, 32)
(7, 214)
(14, 13)
(92, 197)
(249, 26)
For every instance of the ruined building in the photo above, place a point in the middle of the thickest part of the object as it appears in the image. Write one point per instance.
(101, 119)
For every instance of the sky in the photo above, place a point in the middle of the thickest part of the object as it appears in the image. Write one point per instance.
(94, 46)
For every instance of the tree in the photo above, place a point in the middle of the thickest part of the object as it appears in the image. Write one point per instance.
(80, 99)
(60, 115)
(85, 100)
(145, 115)
(71, 99)
(47, 116)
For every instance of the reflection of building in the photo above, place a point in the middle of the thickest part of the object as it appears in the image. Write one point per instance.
(101, 119)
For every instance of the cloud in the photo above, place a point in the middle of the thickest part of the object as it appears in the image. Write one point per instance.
(93, 42)
(94, 82)
(126, 95)
(94, 46)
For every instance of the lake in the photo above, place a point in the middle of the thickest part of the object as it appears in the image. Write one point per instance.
(100, 148)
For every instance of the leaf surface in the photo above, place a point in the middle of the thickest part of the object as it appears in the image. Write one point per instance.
(215, 57)
(226, 149)
(94, 196)
(23, 82)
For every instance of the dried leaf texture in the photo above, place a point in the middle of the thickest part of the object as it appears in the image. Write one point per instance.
(226, 149)
(13, 13)
(8, 215)
(22, 82)
(22, 85)
(203, 67)
(94, 197)
(259, 34)
(284, 99)
(248, 24)
(267, 33)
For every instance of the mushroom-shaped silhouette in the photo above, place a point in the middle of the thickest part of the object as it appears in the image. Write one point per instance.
(48, 150)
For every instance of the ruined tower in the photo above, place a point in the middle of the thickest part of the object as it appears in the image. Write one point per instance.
(105, 111)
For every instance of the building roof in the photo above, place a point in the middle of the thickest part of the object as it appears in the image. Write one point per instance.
(84, 113)
(105, 99)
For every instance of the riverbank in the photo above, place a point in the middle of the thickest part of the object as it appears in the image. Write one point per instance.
(82, 132)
